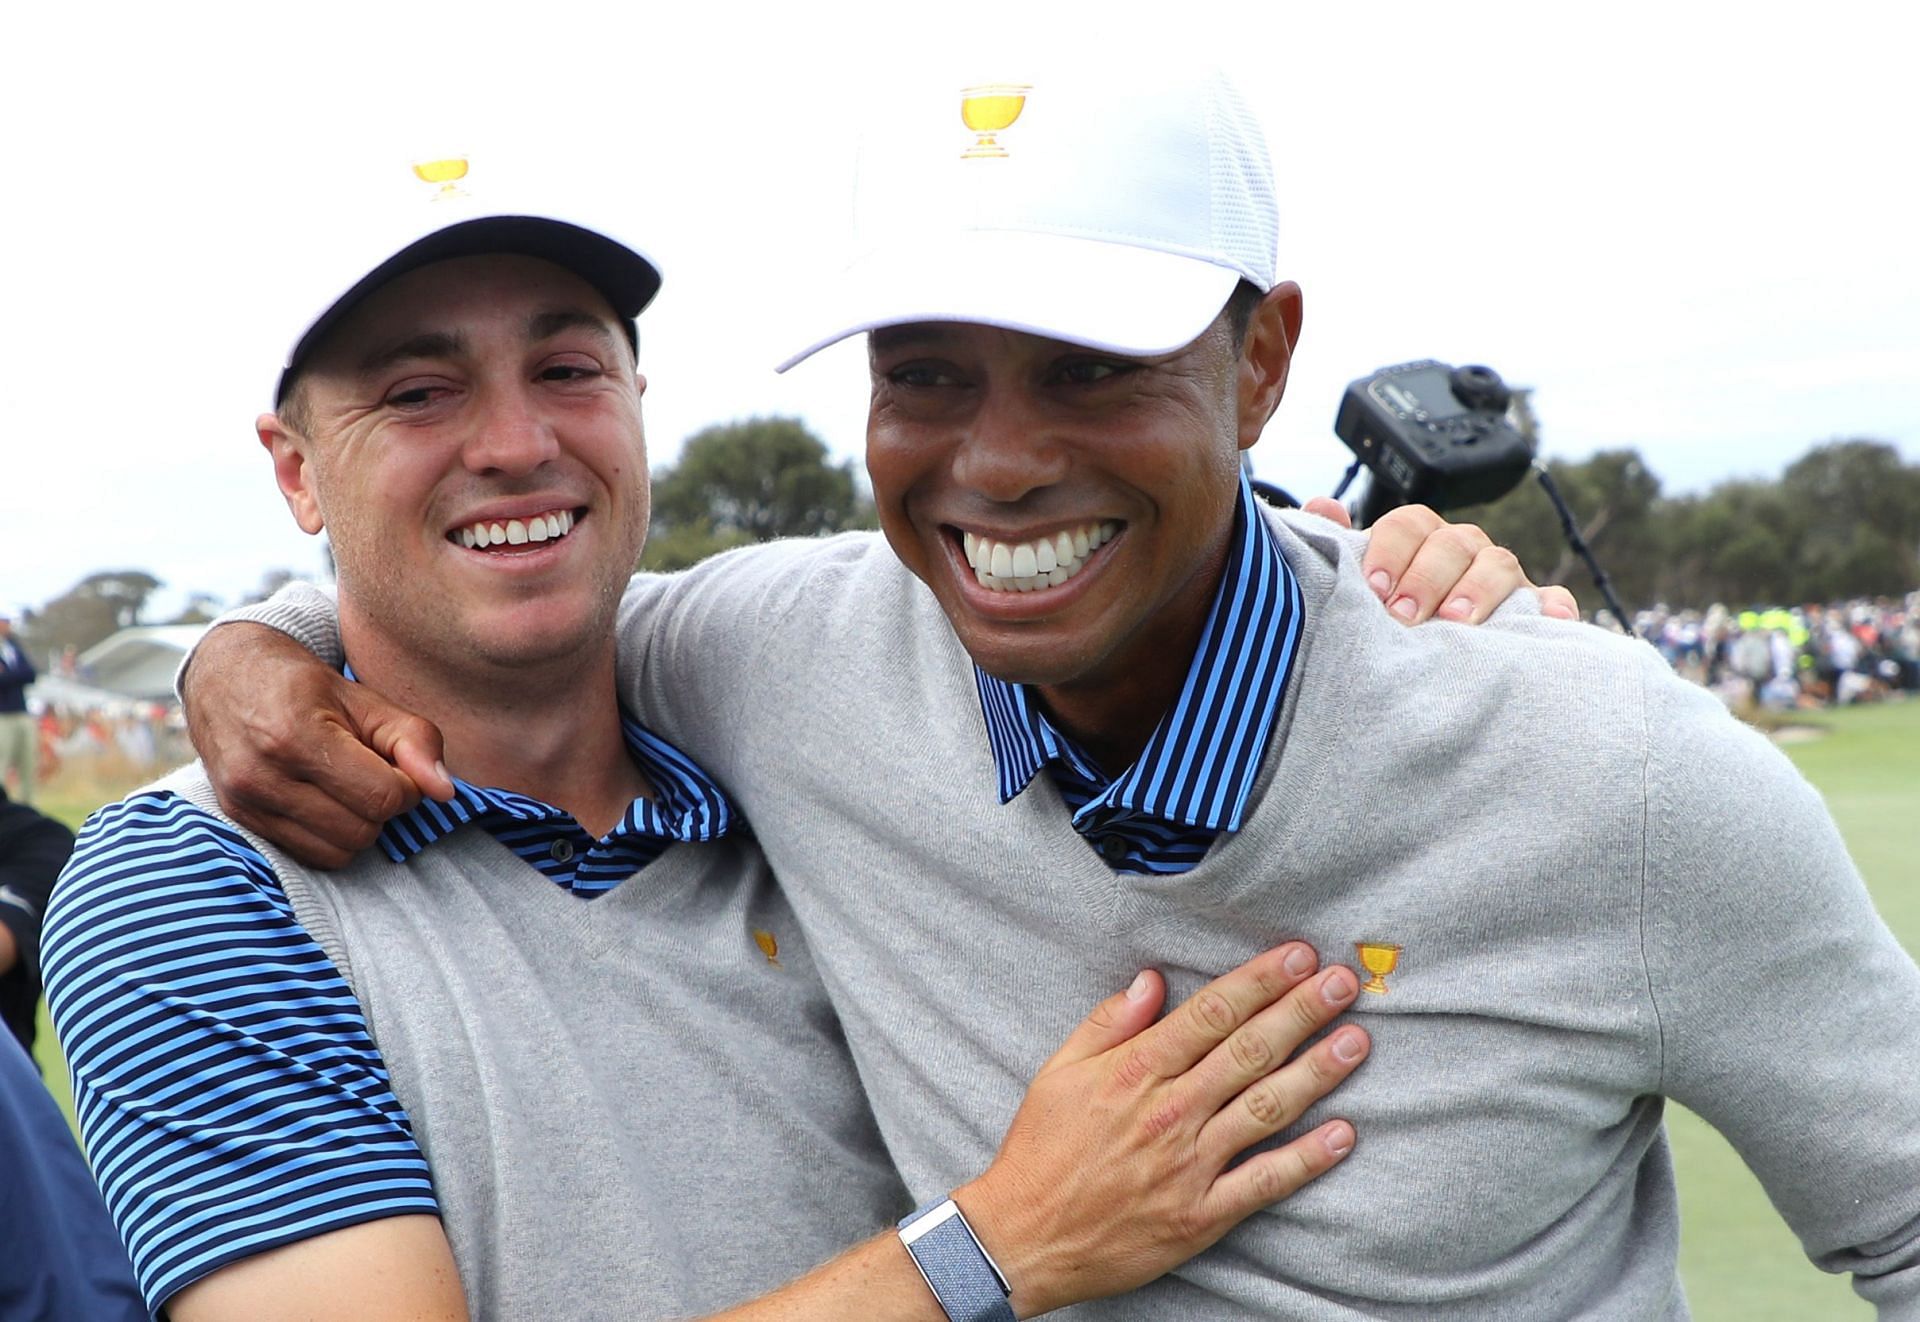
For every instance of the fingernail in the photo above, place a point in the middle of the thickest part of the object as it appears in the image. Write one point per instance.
(1347, 1046)
(1339, 1138)
(1138, 990)
(1299, 961)
(441, 768)
(1338, 988)
(1457, 609)
(1380, 583)
(1405, 607)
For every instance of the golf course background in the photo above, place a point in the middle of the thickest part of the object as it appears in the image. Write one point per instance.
(1738, 1259)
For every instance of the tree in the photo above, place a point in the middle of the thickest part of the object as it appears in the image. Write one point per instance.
(201, 607)
(96, 607)
(1856, 511)
(749, 481)
(1615, 499)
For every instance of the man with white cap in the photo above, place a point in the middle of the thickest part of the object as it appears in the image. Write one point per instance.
(1201, 734)
(558, 1049)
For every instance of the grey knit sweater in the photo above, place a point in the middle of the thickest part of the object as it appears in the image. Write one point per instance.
(1605, 891)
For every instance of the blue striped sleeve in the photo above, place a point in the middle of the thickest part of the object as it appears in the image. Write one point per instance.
(230, 1095)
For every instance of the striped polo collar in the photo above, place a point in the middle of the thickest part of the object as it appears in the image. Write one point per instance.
(1200, 766)
(688, 806)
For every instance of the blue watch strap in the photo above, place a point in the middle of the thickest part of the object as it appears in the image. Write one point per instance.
(964, 1278)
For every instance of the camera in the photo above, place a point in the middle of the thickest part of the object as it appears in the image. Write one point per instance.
(1432, 434)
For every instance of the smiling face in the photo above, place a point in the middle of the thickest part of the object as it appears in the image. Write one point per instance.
(1070, 508)
(470, 438)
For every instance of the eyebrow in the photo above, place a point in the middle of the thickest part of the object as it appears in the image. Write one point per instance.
(427, 344)
(546, 325)
(452, 344)
(883, 339)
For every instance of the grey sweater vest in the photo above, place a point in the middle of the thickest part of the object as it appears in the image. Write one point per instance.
(630, 1108)
(1605, 891)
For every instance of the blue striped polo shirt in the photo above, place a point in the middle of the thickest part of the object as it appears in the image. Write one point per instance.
(230, 1094)
(1192, 780)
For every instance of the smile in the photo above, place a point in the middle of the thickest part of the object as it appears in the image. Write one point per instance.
(1045, 562)
(498, 533)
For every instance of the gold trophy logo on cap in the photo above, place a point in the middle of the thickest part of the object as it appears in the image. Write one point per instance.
(989, 109)
(446, 172)
(1379, 959)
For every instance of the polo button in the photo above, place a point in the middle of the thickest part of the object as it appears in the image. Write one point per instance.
(562, 850)
(1113, 848)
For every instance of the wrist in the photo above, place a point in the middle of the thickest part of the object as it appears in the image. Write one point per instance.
(1007, 1223)
(966, 1281)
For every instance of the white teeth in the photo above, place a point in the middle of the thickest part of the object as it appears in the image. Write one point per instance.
(1041, 563)
(514, 532)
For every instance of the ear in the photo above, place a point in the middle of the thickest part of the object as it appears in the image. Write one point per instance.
(1272, 332)
(291, 470)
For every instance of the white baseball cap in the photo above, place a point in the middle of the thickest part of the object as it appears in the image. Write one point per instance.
(414, 214)
(1112, 208)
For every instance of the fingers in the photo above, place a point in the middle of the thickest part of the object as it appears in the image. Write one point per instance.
(1210, 1015)
(1328, 508)
(317, 848)
(1558, 603)
(1392, 543)
(1259, 1048)
(411, 743)
(1267, 1177)
(1439, 573)
(1113, 1021)
(1494, 575)
(1271, 1103)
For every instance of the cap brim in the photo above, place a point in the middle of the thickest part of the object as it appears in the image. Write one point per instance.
(626, 278)
(1109, 296)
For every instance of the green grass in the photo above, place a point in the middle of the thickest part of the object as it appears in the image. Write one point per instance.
(1738, 1259)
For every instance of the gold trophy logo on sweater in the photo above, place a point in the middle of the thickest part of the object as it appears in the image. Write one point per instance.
(988, 109)
(1379, 959)
(769, 945)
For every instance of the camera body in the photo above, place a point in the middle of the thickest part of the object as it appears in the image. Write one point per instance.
(1432, 434)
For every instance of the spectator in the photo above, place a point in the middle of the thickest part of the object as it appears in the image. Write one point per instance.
(19, 738)
(63, 1261)
(33, 849)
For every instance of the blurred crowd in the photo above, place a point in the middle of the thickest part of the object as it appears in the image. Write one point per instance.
(1802, 656)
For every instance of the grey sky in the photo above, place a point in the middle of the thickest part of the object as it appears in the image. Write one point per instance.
(1688, 226)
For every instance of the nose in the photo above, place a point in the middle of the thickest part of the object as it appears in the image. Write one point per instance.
(511, 435)
(1008, 449)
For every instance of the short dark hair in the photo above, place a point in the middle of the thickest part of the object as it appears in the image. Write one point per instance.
(1241, 302)
(293, 409)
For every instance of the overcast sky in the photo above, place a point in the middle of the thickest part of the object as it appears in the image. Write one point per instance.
(1690, 227)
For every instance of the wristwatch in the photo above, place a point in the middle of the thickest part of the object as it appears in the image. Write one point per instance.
(963, 1276)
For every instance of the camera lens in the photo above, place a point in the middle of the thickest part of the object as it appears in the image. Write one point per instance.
(1480, 388)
